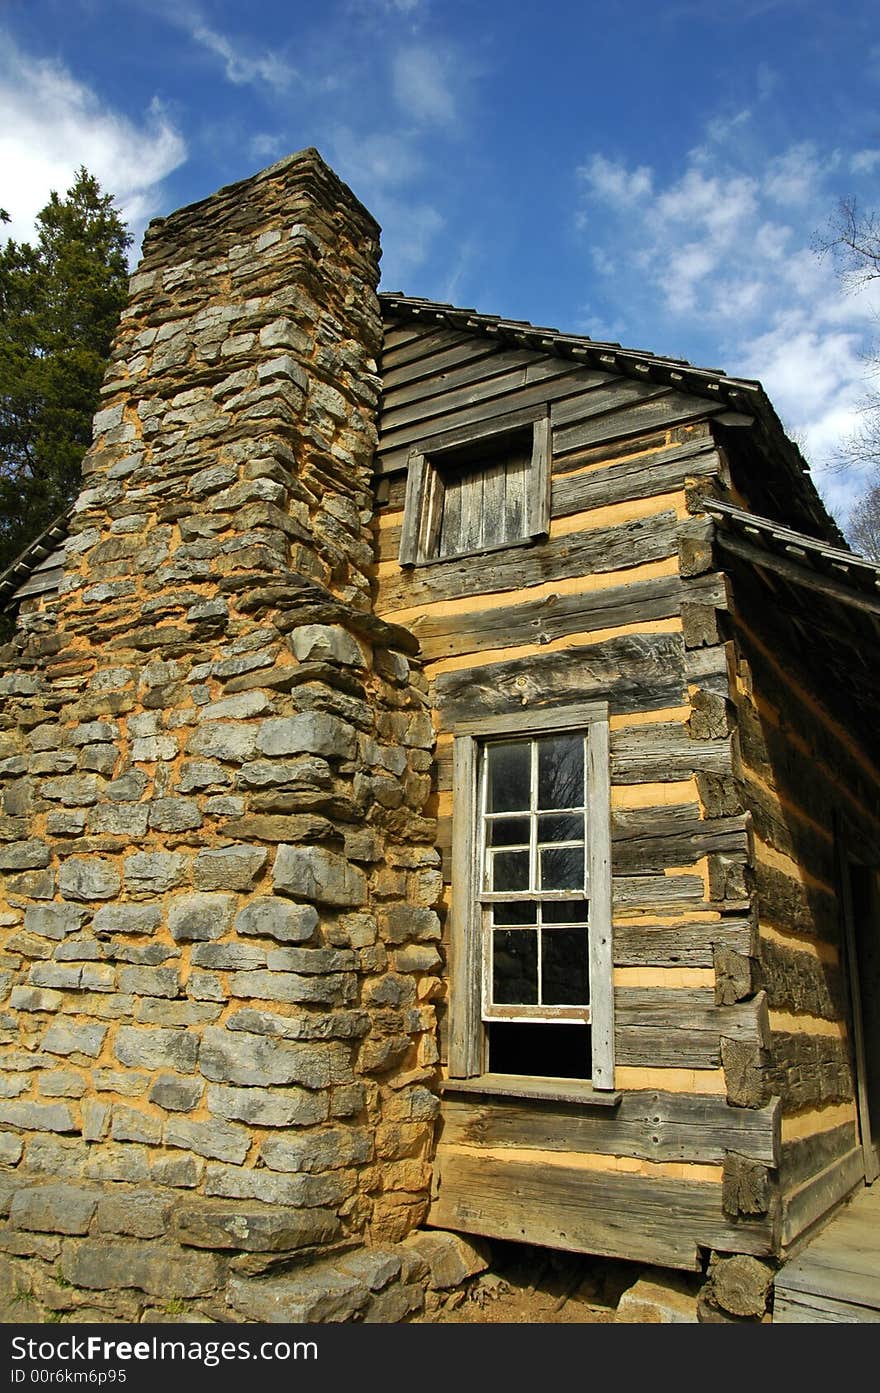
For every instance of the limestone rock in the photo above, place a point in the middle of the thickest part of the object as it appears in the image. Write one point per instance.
(660, 1298)
(269, 916)
(313, 873)
(228, 868)
(88, 878)
(450, 1258)
(200, 917)
(53, 1209)
(321, 1294)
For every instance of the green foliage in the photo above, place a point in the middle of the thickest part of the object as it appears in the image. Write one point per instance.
(60, 300)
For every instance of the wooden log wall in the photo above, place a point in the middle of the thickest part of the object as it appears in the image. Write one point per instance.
(800, 768)
(617, 604)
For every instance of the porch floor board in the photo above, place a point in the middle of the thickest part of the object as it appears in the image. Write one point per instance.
(836, 1276)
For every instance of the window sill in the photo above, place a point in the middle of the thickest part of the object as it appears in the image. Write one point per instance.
(454, 556)
(539, 1090)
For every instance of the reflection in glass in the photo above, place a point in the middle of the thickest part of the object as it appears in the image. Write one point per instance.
(564, 968)
(561, 771)
(510, 870)
(562, 868)
(515, 967)
(515, 912)
(508, 831)
(565, 912)
(561, 827)
(508, 777)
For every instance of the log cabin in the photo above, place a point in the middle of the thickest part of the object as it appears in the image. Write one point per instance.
(639, 560)
(643, 991)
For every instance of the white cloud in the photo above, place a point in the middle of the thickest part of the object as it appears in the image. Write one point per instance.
(372, 9)
(385, 159)
(240, 68)
(422, 83)
(864, 161)
(266, 146)
(717, 207)
(795, 176)
(611, 182)
(382, 170)
(409, 232)
(723, 253)
(403, 7)
(50, 124)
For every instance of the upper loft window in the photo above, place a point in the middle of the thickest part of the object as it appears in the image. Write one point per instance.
(477, 489)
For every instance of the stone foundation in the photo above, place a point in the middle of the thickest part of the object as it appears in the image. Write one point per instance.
(123, 1258)
(218, 937)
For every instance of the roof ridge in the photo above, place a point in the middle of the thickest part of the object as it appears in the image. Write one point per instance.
(441, 308)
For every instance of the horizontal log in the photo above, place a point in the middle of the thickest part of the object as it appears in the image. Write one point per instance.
(808, 1071)
(794, 907)
(797, 981)
(658, 1221)
(635, 672)
(637, 417)
(819, 1195)
(657, 894)
(651, 839)
(542, 621)
(679, 1028)
(807, 1156)
(595, 551)
(650, 1125)
(664, 753)
(643, 944)
(640, 478)
(708, 669)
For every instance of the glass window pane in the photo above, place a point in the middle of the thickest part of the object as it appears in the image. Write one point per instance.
(508, 831)
(516, 912)
(515, 967)
(564, 968)
(565, 827)
(565, 912)
(562, 868)
(561, 771)
(508, 777)
(509, 870)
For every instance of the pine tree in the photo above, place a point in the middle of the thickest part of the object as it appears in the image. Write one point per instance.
(60, 300)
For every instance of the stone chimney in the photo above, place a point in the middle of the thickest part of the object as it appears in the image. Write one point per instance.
(219, 946)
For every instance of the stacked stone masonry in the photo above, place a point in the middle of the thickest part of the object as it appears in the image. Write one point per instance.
(219, 935)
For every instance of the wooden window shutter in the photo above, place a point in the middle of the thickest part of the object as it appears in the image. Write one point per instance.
(538, 489)
(412, 509)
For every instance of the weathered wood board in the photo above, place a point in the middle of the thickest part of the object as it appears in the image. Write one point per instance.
(652, 1125)
(662, 1221)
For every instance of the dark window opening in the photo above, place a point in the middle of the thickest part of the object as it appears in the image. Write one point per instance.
(547, 1051)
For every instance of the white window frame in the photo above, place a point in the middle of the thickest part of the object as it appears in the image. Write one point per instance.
(424, 483)
(467, 1033)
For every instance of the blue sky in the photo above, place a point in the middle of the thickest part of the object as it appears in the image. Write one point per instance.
(653, 173)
